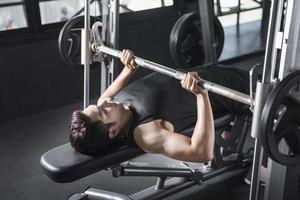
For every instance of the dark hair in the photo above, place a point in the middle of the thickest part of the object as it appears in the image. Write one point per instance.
(87, 136)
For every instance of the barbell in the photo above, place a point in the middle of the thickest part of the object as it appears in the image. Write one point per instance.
(71, 52)
(212, 87)
(281, 113)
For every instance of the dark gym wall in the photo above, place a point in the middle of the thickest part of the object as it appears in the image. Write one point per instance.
(33, 77)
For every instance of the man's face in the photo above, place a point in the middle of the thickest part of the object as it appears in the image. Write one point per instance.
(108, 113)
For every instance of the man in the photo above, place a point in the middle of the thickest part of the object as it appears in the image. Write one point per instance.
(152, 111)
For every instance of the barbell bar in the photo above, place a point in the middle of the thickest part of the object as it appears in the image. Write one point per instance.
(69, 40)
(212, 87)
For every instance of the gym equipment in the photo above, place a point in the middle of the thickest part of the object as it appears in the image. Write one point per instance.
(212, 87)
(271, 179)
(280, 121)
(99, 50)
(69, 41)
(186, 42)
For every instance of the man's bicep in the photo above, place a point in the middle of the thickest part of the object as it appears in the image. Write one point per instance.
(170, 144)
(178, 146)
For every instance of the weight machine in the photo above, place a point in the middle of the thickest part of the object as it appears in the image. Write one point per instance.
(271, 114)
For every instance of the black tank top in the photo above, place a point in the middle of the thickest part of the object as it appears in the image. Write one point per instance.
(158, 96)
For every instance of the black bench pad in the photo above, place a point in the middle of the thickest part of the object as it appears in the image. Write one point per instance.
(63, 164)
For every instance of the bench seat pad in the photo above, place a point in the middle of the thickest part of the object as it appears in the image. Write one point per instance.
(63, 164)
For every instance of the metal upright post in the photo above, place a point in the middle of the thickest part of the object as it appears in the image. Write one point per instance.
(262, 89)
(283, 35)
(271, 173)
(265, 18)
(260, 97)
(206, 12)
(105, 21)
(110, 36)
(86, 53)
(268, 65)
(289, 38)
(113, 33)
(276, 176)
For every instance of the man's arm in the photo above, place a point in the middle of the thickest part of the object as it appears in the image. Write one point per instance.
(198, 148)
(121, 81)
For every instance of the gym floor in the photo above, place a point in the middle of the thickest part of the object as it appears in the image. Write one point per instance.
(25, 139)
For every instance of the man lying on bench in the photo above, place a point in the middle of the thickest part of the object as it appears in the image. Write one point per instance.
(152, 111)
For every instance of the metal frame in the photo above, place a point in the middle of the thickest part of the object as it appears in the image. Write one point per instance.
(262, 89)
(206, 13)
(277, 179)
(105, 23)
(171, 186)
(110, 35)
(184, 179)
(202, 173)
(284, 39)
(86, 53)
(113, 37)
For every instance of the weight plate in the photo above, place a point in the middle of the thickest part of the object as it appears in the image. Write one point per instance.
(280, 122)
(186, 46)
(69, 41)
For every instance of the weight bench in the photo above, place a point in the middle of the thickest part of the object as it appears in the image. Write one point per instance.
(63, 164)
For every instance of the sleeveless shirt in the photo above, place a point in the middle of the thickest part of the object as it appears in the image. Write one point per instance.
(158, 96)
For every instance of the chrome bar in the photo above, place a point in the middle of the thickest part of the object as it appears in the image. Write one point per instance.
(95, 194)
(86, 53)
(145, 63)
(113, 38)
(262, 92)
(227, 92)
(285, 41)
(263, 89)
(255, 175)
(104, 39)
(212, 87)
(268, 65)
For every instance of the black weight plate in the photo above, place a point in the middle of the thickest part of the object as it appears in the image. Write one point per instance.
(173, 35)
(176, 40)
(69, 41)
(186, 47)
(280, 122)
